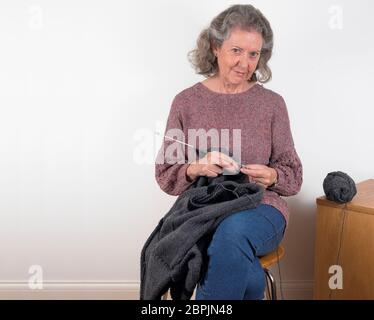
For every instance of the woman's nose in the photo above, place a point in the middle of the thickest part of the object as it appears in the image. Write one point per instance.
(244, 62)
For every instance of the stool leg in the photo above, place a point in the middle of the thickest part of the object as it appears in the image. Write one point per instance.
(273, 286)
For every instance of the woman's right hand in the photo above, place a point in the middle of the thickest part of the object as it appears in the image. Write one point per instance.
(211, 165)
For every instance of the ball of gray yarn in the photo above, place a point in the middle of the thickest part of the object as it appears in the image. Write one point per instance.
(339, 187)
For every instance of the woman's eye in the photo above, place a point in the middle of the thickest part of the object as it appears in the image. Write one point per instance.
(253, 54)
(236, 50)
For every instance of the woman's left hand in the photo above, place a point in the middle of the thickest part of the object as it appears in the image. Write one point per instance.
(260, 174)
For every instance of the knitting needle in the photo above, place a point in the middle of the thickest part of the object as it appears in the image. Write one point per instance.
(186, 144)
(189, 145)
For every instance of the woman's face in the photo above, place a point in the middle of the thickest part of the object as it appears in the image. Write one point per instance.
(238, 56)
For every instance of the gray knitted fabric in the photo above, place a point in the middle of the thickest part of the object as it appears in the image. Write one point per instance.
(173, 255)
(339, 187)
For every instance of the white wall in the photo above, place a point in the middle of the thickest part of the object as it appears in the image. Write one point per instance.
(83, 86)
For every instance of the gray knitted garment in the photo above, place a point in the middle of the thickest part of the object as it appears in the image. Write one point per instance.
(173, 255)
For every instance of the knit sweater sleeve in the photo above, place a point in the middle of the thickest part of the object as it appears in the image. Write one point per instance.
(171, 166)
(284, 158)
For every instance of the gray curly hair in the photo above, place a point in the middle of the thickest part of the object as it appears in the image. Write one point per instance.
(246, 17)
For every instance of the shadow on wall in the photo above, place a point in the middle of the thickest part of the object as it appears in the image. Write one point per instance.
(297, 266)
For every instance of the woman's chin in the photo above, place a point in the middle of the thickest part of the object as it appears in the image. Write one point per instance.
(237, 80)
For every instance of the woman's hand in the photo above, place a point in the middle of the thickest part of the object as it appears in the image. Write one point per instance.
(211, 165)
(260, 174)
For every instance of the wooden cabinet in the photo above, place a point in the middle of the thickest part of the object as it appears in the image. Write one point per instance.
(345, 237)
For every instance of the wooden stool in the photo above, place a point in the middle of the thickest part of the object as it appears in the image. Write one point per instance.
(266, 262)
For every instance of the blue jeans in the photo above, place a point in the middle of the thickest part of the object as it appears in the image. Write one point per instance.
(234, 271)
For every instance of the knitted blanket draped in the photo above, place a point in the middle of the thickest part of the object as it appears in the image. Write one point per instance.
(173, 255)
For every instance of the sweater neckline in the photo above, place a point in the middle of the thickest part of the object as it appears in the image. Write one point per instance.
(204, 88)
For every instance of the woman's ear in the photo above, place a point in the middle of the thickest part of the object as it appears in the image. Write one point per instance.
(214, 49)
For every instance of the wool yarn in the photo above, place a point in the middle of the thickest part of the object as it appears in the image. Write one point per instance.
(339, 187)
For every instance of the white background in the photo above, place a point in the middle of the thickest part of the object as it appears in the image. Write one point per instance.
(84, 85)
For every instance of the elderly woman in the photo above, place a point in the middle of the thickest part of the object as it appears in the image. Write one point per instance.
(233, 54)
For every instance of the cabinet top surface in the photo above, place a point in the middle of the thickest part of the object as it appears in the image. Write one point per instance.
(362, 201)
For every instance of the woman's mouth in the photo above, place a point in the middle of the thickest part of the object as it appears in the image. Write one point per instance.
(241, 74)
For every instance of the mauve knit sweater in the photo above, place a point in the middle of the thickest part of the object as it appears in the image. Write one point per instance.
(266, 136)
